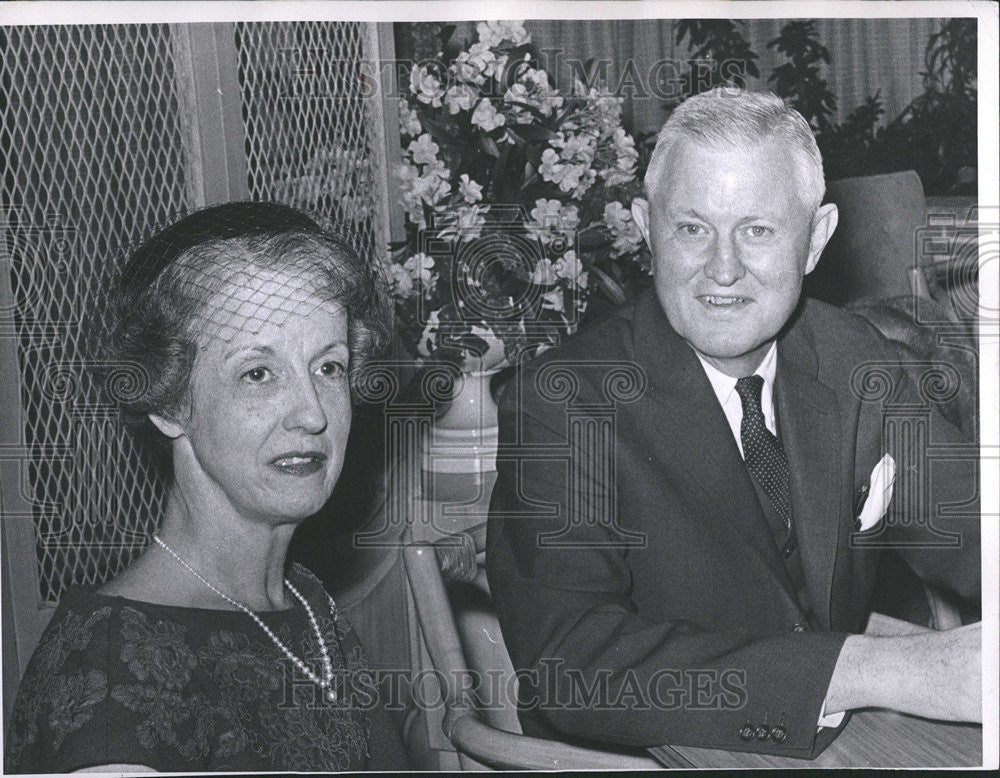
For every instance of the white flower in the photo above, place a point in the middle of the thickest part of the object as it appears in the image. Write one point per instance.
(486, 117)
(551, 167)
(417, 188)
(544, 273)
(460, 98)
(626, 159)
(468, 69)
(576, 179)
(471, 191)
(420, 267)
(570, 167)
(425, 86)
(576, 147)
(550, 218)
(487, 61)
(569, 218)
(553, 301)
(546, 213)
(494, 33)
(625, 233)
(532, 87)
(400, 280)
(466, 223)
(568, 266)
(409, 122)
(428, 338)
(423, 150)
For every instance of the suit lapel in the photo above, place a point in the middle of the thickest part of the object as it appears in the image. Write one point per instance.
(810, 434)
(701, 443)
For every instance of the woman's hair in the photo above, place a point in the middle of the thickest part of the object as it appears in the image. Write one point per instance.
(172, 292)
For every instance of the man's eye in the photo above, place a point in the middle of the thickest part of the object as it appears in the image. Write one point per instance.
(256, 375)
(690, 230)
(758, 231)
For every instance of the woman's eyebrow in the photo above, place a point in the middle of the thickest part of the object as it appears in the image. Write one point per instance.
(266, 350)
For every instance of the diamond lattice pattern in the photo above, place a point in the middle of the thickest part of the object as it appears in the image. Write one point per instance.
(94, 158)
(309, 123)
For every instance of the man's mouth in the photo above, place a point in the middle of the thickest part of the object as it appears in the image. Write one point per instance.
(299, 462)
(722, 301)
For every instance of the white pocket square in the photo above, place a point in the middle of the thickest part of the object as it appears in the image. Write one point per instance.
(879, 494)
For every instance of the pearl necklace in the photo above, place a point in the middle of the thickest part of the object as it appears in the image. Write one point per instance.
(326, 682)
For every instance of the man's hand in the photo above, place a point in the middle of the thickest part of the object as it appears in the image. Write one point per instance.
(937, 675)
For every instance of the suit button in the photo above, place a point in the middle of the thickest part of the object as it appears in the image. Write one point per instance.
(778, 734)
(798, 626)
(763, 732)
(788, 550)
(747, 731)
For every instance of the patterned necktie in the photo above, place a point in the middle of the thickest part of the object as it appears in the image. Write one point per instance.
(762, 452)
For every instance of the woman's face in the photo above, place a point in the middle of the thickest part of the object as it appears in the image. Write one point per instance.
(270, 407)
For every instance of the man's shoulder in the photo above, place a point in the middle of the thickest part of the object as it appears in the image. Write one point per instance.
(836, 333)
(610, 334)
(589, 353)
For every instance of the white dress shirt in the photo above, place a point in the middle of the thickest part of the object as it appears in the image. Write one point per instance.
(725, 390)
(729, 398)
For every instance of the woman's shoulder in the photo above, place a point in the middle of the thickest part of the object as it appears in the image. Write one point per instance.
(66, 679)
(100, 664)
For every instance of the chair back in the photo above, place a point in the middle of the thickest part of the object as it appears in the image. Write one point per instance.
(874, 250)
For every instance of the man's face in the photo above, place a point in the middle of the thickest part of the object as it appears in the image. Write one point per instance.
(732, 239)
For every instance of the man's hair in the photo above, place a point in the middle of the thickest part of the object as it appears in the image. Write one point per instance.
(736, 118)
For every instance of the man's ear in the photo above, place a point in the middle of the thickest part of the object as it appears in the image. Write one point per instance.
(824, 223)
(169, 427)
(640, 212)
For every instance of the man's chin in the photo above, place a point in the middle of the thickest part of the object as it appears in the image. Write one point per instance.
(735, 359)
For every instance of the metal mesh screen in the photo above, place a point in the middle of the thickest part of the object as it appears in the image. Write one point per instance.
(94, 140)
(311, 135)
(94, 158)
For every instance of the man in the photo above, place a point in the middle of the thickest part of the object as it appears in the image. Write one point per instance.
(684, 560)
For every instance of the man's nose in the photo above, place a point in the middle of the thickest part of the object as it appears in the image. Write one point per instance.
(724, 265)
(305, 410)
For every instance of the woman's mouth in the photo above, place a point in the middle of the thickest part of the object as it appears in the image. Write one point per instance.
(299, 463)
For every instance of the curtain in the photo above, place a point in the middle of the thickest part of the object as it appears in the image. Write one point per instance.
(867, 56)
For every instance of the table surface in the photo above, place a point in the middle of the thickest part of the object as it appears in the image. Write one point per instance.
(872, 738)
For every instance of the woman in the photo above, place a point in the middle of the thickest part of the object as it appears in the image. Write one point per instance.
(250, 324)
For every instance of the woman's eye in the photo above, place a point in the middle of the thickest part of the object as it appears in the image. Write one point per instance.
(256, 375)
(332, 369)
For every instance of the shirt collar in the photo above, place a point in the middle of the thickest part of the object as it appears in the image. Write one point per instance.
(724, 385)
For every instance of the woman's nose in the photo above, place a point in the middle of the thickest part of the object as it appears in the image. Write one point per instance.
(306, 411)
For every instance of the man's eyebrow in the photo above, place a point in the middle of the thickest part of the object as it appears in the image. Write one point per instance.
(675, 212)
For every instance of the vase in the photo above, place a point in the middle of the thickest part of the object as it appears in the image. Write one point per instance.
(464, 438)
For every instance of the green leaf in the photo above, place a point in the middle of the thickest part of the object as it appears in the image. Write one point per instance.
(533, 132)
(438, 131)
(489, 145)
(530, 109)
(611, 289)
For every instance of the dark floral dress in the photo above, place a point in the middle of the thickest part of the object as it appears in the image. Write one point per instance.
(186, 689)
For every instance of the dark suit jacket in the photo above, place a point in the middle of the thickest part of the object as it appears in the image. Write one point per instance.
(640, 591)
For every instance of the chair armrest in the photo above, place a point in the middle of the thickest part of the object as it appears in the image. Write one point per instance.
(507, 750)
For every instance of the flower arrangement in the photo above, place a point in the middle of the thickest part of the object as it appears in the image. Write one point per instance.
(517, 203)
